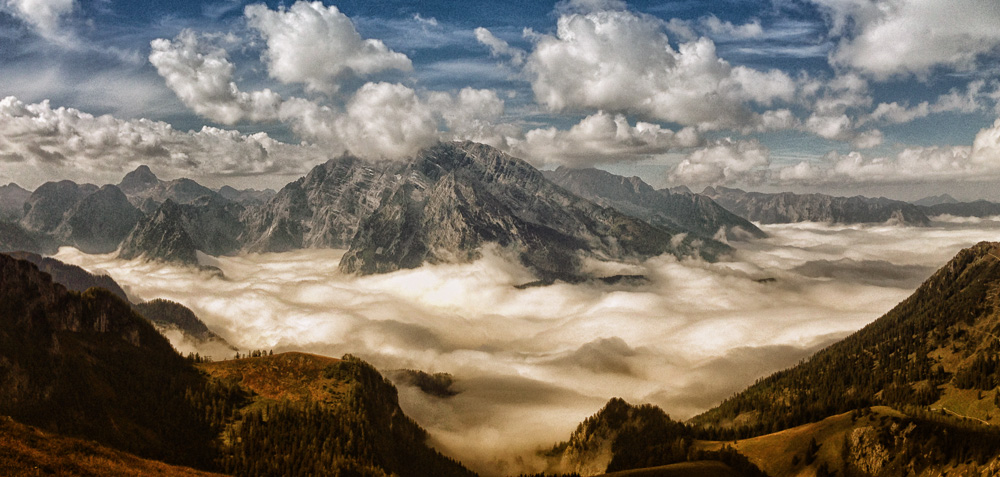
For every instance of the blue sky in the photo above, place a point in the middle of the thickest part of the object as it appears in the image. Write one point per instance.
(898, 97)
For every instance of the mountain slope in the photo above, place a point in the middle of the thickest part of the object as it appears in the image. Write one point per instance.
(787, 207)
(923, 352)
(167, 316)
(12, 199)
(455, 197)
(47, 206)
(874, 441)
(86, 365)
(622, 437)
(72, 277)
(322, 415)
(29, 451)
(675, 209)
(99, 221)
(13, 237)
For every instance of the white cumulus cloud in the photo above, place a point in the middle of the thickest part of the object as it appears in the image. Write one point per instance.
(202, 77)
(726, 161)
(499, 47)
(601, 138)
(902, 37)
(319, 46)
(43, 15)
(65, 142)
(387, 120)
(619, 61)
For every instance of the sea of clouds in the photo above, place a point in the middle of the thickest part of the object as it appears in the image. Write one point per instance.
(530, 364)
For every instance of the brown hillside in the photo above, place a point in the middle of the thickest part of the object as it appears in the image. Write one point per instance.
(293, 376)
(26, 450)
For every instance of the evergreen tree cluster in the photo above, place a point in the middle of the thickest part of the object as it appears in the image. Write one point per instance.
(983, 373)
(363, 434)
(644, 436)
(884, 363)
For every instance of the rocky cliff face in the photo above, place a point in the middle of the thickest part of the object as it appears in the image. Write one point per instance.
(161, 236)
(678, 209)
(787, 207)
(213, 223)
(322, 209)
(455, 197)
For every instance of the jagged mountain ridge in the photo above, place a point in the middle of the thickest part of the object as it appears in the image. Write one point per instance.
(246, 197)
(787, 207)
(443, 206)
(147, 192)
(92, 219)
(679, 208)
(456, 197)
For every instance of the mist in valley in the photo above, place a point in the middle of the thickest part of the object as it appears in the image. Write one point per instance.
(530, 364)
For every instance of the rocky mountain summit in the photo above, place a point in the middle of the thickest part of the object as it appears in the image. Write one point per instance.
(147, 191)
(444, 205)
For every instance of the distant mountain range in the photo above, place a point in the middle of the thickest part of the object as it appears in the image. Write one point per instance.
(786, 207)
(443, 205)
(936, 200)
(676, 209)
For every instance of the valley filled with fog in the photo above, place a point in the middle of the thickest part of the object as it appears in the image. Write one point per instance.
(529, 364)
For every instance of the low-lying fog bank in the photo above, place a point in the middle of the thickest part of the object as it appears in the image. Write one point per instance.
(530, 364)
